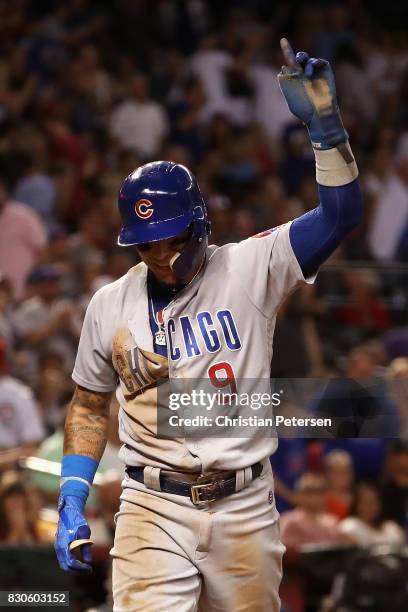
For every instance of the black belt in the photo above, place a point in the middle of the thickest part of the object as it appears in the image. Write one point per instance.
(203, 489)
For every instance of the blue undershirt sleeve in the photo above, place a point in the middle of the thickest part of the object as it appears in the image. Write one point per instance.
(316, 234)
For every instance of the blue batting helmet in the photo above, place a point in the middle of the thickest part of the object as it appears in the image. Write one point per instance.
(160, 200)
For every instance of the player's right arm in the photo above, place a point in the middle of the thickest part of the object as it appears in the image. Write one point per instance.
(271, 264)
(85, 436)
(309, 89)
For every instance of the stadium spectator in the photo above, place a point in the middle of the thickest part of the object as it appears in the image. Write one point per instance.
(91, 240)
(21, 427)
(36, 189)
(365, 312)
(365, 526)
(220, 210)
(208, 64)
(186, 119)
(309, 523)
(268, 95)
(46, 320)
(18, 517)
(297, 161)
(339, 475)
(394, 489)
(354, 85)
(297, 348)
(22, 238)
(335, 30)
(289, 462)
(368, 455)
(138, 122)
(95, 82)
(239, 170)
(359, 401)
(53, 390)
(398, 388)
(6, 326)
(17, 89)
(390, 217)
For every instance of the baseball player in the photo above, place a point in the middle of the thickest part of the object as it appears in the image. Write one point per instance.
(197, 526)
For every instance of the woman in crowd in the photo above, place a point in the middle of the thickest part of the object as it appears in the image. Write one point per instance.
(365, 526)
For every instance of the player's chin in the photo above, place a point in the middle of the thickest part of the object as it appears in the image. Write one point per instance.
(164, 275)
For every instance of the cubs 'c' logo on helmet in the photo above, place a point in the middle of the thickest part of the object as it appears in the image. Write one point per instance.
(143, 210)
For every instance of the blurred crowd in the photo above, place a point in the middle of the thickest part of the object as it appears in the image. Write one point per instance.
(349, 513)
(89, 90)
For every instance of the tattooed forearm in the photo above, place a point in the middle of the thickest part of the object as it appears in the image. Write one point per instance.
(86, 425)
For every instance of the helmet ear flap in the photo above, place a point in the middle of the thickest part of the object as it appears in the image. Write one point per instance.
(193, 251)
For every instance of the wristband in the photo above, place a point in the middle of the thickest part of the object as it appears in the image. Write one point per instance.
(77, 474)
(335, 167)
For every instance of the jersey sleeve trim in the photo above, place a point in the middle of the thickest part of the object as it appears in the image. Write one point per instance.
(91, 386)
(293, 262)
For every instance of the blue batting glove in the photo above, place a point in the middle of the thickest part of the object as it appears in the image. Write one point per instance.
(310, 92)
(72, 526)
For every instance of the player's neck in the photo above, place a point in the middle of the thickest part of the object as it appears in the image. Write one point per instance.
(163, 289)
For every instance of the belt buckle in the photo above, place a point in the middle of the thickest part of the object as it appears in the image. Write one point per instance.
(195, 491)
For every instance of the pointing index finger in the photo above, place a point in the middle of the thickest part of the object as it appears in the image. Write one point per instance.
(288, 52)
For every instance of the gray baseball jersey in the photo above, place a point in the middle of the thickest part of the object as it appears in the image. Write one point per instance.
(224, 318)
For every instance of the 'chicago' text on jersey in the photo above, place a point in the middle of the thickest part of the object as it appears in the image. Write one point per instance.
(203, 332)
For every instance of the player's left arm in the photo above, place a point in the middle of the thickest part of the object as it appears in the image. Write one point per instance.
(85, 437)
(310, 92)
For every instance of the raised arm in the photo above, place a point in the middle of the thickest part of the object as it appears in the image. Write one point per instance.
(86, 433)
(309, 89)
